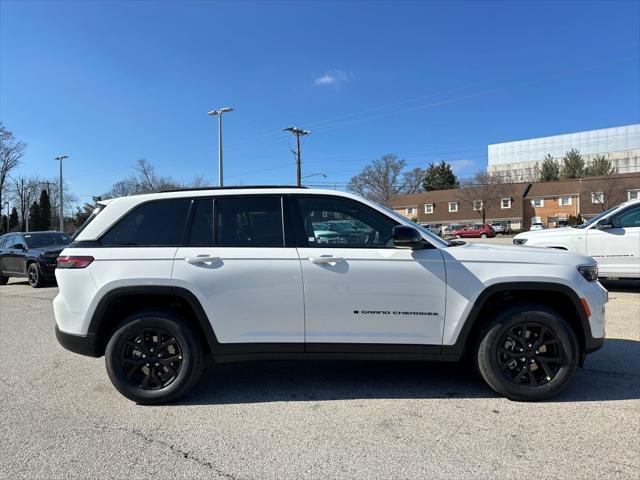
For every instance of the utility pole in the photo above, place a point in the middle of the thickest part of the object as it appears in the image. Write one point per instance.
(218, 113)
(298, 132)
(60, 158)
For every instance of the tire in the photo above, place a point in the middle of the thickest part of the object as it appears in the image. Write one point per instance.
(483, 235)
(3, 279)
(164, 379)
(504, 371)
(34, 275)
(458, 236)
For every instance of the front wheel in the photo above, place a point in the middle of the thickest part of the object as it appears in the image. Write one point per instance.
(34, 276)
(484, 235)
(527, 353)
(153, 357)
(458, 236)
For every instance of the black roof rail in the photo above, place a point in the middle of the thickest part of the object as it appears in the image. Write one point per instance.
(233, 187)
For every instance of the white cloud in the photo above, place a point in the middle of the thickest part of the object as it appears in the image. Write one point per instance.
(331, 78)
(459, 165)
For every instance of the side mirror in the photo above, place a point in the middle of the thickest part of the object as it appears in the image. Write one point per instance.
(406, 237)
(18, 246)
(604, 224)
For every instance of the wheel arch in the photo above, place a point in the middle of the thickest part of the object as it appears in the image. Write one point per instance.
(116, 304)
(558, 297)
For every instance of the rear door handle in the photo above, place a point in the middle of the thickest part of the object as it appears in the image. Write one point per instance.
(201, 259)
(326, 259)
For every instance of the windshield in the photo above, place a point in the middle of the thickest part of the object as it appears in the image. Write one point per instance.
(597, 217)
(433, 238)
(39, 240)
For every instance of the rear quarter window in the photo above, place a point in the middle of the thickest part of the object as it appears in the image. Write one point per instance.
(159, 223)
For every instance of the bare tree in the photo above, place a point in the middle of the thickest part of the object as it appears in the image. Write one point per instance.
(25, 191)
(384, 179)
(11, 151)
(484, 190)
(70, 199)
(145, 179)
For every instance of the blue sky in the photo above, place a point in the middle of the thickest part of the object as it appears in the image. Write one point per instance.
(111, 82)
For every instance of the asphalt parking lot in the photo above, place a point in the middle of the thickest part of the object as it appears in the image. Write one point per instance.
(61, 418)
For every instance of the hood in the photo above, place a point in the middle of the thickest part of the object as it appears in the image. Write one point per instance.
(481, 252)
(556, 232)
(50, 250)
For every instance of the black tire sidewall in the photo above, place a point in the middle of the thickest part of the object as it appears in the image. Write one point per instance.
(487, 358)
(190, 349)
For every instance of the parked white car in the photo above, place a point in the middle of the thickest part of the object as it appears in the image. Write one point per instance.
(155, 282)
(536, 226)
(611, 238)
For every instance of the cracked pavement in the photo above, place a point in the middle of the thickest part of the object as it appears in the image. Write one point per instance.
(61, 418)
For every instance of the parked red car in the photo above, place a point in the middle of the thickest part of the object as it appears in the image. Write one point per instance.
(475, 231)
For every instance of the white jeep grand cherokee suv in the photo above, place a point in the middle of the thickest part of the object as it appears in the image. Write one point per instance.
(155, 282)
(611, 238)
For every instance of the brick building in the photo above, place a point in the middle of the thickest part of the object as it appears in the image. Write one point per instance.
(550, 203)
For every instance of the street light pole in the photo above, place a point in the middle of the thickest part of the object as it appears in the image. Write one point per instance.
(298, 132)
(218, 113)
(60, 158)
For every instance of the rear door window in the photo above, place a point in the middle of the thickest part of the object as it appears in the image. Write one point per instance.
(158, 223)
(201, 231)
(249, 221)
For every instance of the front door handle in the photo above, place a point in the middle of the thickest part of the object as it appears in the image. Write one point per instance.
(201, 259)
(326, 259)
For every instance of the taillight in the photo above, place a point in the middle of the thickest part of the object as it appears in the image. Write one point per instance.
(74, 261)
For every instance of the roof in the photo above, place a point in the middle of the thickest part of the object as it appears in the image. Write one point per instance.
(512, 190)
(569, 187)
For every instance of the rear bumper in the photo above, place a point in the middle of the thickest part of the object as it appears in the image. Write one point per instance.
(82, 344)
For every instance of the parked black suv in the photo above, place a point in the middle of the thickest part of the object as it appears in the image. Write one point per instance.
(32, 255)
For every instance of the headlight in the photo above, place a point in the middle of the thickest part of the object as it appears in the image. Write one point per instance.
(519, 241)
(589, 272)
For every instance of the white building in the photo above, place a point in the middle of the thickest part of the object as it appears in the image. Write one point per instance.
(621, 145)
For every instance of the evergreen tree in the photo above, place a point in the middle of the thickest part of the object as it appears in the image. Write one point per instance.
(573, 166)
(34, 217)
(3, 224)
(440, 176)
(45, 211)
(601, 166)
(549, 170)
(14, 219)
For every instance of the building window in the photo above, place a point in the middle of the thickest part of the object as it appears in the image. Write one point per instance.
(453, 207)
(428, 208)
(505, 203)
(410, 211)
(565, 201)
(477, 205)
(597, 197)
(633, 194)
(537, 202)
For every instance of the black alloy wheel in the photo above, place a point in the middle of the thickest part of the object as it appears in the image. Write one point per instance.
(530, 354)
(527, 352)
(34, 277)
(154, 357)
(151, 358)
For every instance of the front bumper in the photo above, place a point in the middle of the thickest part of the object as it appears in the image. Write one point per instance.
(82, 344)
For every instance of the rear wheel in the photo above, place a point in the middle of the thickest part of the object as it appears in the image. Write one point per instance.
(458, 236)
(527, 353)
(483, 235)
(34, 276)
(153, 357)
